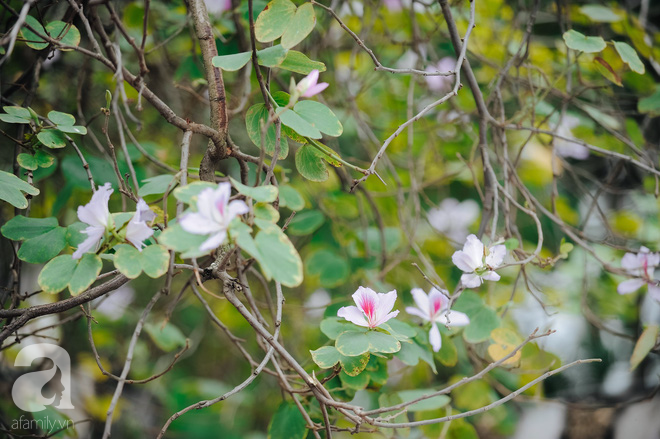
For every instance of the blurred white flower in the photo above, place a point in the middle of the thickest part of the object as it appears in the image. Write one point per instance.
(316, 303)
(566, 148)
(434, 308)
(97, 216)
(441, 83)
(115, 304)
(452, 218)
(217, 6)
(214, 213)
(137, 230)
(642, 265)
(478, 262)
(372, 310)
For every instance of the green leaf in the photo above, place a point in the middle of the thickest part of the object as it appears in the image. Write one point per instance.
(325, 357)
(20, 112)
(481, 325)
(57, 273)
(448, 354)
(354, 343)
(177, 239)
(155, 260)
(355, 382)
(44, 160)
(20, 227)
(128, 261)
(44, 247)
(600, 14)
(333, 326)
(301, 126)
(353, 366)
(68, 35)
(291, 198)
(298, 62)
(577, 41)
(10, 118)
(231, 63)
(167, 337)
(287, 422)
(384, 343)
(27, 161)
(630, 57)
(156, 185)
(12, 188)
(265, 193)
(511, 244)
(267, 212)
(75, 129)
(310, 163)
(32, 40)
(188, 193)
(271, 56)
(278, 257)
(305, 223)
(59, 118)
(320, 117)
(74, 235)
(434, 403)
(253, 119)
(650, 104)
(89, 267)
(565, 248)
(274, 20)
(301, 25)
(331, 269)
(411, 353)
(644, 344)
(52, 138)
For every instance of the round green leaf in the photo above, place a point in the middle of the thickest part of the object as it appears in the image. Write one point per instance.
(128, 261)
(279, 258)
(85, 274)
(310, 163)
(306, 222)
(75, 129)
(325, 357)
(44, 160)
(12, 188)
(434, 403)
(333, 326)
(266, 212)
(233, 62)
(52, 138)
(167, 337)
(20, 112)
(55, 276)
(188, 193)
(353, 366)
(301, 25)
(331, 268)
(356, 382)
(600, 14)
(27, 161)
(177, 239)
(68, 35)
(59, 118)
(481, 325)
(74, 234)
(274, 20)
(272, 56)
(320, 117)
(266, 193)
(352, 343)
(291, 198)
(21, 227)
(630, 57)
(577, 41)
(44, 247)
(298, 62)
(301, 126)
(31, 39)
(384, 343)
(156, 185)
(253, 120)
(448, 354)
(287, 423)
(155, 260)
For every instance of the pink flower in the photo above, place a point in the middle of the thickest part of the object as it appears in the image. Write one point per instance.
(214, 213)
(434, 308)
(97, 216)
(309, 86)
(478, 262)
(642, 265)
(137, 230)
(372, 310)
(393, 5)
(441, 83)
(217, 6)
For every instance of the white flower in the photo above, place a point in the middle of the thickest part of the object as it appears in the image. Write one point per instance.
(642, 265)
(137, 229)
(373, 309)
(566, 148)
(97, 216)
(441, 83)
(452, 217)
(214, 213)
(478, 262)
(434, 308)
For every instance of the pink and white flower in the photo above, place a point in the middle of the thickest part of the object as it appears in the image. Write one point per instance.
(441, 83)
(642, 265)
(434, 308)
(137, 230)
(478, 262)
(97, 216)
(309, 85)
(214, 213)
(372, 310)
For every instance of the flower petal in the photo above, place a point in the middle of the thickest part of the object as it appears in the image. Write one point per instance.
(630, 261)
(198, 224)
(454, 318)
(384, 304)
(471, 280)
(417, 312)
(94, 236)
(421, 300)
(96, 213)
(474, 248)
(496, 256)
(365, 298)
(138, 232)
(315, 89)
(386, 318)
(353, 314)
(434, 337)
(654, 292)
(463, 261)
(143, 212)
(214, 241)
(491, 275)
(437, 301)
(630, 286)
(236, 208)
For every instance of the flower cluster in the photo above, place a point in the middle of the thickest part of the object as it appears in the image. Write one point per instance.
(96, 215)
